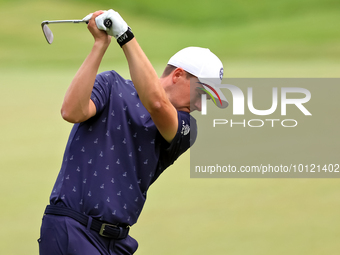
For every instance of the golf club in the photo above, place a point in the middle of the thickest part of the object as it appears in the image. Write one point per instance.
(49, 35)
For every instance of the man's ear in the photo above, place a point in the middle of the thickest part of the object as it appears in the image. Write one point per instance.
(177, 74)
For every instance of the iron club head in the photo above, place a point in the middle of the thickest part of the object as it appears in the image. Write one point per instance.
(47, 32)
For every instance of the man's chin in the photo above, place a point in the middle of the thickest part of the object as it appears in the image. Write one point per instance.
(192, 109)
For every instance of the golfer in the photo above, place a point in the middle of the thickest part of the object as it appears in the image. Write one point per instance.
(126, 133)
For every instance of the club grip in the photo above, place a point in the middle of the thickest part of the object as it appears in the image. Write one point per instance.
(108, 23)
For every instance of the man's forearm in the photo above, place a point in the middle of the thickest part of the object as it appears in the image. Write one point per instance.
(143, 76)
(76, 107)
(150, 90)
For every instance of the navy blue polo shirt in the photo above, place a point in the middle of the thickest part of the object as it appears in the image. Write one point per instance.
(111, 159)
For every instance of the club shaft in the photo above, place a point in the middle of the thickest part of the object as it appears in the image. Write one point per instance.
(62, 21)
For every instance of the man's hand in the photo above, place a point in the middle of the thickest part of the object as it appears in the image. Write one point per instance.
(119, 26)
(98, 35)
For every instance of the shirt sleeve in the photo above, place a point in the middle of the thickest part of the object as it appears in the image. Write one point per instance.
(101, 89)
(183, 140)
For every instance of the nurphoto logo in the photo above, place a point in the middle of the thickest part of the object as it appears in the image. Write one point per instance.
(279, 100)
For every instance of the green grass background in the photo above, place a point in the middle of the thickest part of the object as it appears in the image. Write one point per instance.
(182, 216)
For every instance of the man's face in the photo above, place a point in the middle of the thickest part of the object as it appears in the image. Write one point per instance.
(189, 95)
(195, 95)
(186, 93)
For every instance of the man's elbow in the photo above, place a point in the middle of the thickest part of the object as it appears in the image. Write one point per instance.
(71, 117)
(156, 106)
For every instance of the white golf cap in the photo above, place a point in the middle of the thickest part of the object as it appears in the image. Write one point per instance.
(206, 66)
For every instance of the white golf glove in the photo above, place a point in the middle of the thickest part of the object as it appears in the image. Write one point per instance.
(119, 29)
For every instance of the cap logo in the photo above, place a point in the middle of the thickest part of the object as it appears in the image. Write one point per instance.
(221, 73)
